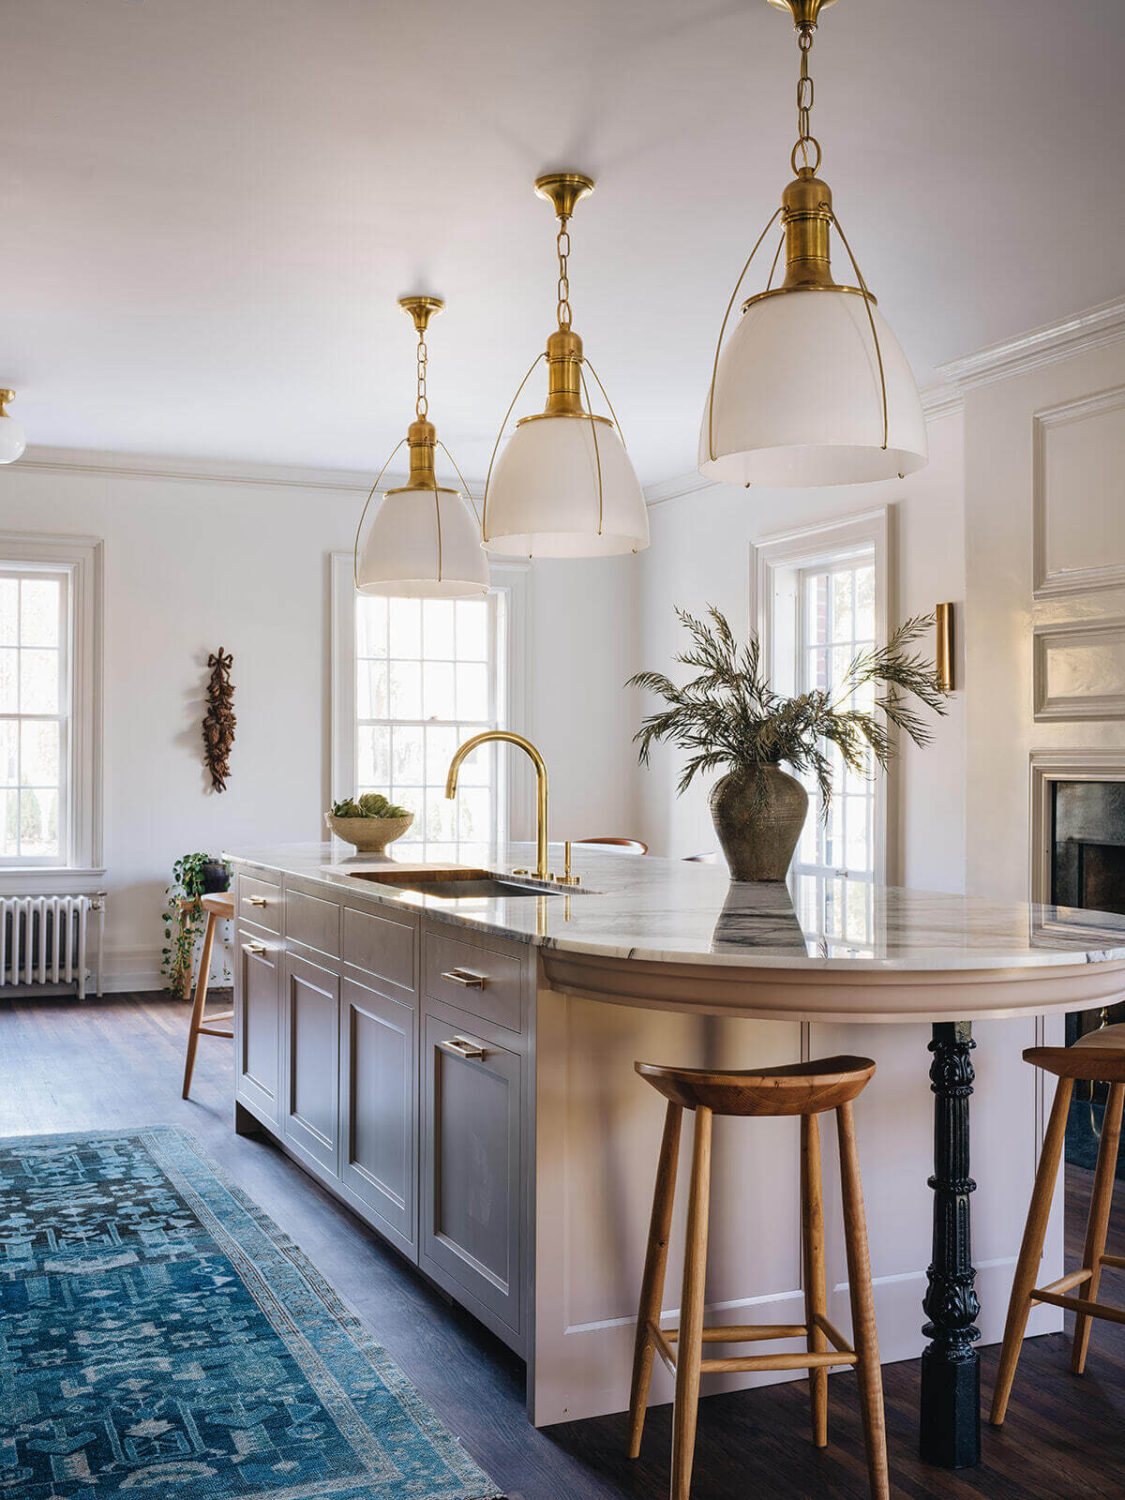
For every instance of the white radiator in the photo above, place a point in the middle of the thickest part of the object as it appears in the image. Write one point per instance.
(48, 940)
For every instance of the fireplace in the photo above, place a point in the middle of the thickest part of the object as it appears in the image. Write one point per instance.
(1088, 845)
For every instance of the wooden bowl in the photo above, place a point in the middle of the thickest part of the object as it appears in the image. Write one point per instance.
(368, 835)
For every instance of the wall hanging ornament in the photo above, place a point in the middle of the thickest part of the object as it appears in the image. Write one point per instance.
(564, 485)
(219, 720)
(424, 542)
(813, 387)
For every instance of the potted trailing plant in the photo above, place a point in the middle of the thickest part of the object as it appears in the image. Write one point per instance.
(193, 876)
(729, 716)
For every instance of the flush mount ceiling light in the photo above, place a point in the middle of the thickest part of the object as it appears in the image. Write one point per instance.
(12, 438)
(424, 542)
(813, 387)
(564, 485)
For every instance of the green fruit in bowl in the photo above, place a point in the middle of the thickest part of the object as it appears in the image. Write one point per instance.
(370, 805)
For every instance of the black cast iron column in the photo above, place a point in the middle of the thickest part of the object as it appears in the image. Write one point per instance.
(950, 1427)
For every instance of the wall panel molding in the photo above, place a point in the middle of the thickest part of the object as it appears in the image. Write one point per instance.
(1079, 670)
(1051, 581)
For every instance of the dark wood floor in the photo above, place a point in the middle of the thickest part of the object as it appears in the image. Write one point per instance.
(65, 1066)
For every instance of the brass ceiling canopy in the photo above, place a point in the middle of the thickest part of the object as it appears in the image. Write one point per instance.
(804, 12)
(421, 310)
(565, 190)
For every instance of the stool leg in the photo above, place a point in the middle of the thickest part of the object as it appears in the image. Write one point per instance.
(200, 1001)
(652, 1285)
(863, 1308)
(1027, 1267)
(816, 1292)
(689, 1345)
(1098, 1221)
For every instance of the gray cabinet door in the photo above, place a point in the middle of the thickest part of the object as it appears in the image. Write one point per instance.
(310, 1120)
(257, 1023)
(470, 1186)
(378, 1109)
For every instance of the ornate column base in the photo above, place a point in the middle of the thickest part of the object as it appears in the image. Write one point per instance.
(950, 1416)
(950, 1426)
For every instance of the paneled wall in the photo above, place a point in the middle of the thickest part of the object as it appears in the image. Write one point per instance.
(1045, 569)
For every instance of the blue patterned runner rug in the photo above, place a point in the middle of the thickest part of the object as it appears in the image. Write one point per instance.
(159, 1333)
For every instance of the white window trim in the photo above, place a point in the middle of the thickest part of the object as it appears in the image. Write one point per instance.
(515, 579)
(786, 553)
(84, 558)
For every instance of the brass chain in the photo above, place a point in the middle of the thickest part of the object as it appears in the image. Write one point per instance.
(422, 405)
(562, 245)
(805, 95)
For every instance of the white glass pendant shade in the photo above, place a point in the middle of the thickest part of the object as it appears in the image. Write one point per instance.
(12, 439)
(423, 544)
(798, 400)
(543, 499)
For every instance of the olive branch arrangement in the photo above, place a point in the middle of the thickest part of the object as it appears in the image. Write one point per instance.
(728, 715)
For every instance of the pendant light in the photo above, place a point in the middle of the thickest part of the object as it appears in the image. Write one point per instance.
(424, 543)
(564, 485)
(813, 387)
(12, 438)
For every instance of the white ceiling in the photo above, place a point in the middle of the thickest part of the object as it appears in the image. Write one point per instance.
(209, 208)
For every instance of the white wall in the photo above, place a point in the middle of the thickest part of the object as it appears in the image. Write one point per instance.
(700, 555)
(1082, 504)
(194, 564)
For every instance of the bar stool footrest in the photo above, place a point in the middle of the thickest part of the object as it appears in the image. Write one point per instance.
(1080, 1305)
(742, 1333)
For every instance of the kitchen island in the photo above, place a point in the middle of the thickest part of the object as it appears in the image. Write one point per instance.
(459, 1069)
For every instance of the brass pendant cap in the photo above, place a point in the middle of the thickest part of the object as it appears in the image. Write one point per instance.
(805, 13)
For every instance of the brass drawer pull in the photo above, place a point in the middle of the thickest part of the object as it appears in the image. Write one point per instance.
(254, 948)
(257, 901)
(466, 978)
(464, 1047)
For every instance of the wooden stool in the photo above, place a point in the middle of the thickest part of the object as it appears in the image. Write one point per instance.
(1098, 1057)
(804, 1089)
(218, 907)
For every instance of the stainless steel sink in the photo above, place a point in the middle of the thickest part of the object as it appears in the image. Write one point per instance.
(456, 884)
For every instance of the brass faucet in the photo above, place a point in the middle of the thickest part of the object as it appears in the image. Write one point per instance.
(507, 737)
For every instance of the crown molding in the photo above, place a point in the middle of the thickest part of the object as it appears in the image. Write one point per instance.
(941, 401)
(200, 471)
(1092, 329)
(680, 484)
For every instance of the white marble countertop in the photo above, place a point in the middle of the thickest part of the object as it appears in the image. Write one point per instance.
(669, 911)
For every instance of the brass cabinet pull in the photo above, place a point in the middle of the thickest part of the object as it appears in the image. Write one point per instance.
(464, 1046)
(256, 901)
(254, 948)
(466, 978)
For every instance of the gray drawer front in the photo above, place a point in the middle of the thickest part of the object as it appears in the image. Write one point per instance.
(312, 1060)
(313, 922)
(471, 1201)
(378, 1130)
(259, 901)
(482, 981)
(380, 946)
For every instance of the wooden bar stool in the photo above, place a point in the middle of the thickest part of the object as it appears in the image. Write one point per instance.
(218, 908)
(804, 1089)
(1097, 1057)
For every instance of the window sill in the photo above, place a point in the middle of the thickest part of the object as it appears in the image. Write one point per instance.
(46, 880)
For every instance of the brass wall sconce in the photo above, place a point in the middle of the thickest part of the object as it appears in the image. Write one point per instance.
(943, 647)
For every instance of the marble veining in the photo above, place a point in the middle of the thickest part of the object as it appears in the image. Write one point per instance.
(670, 911)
